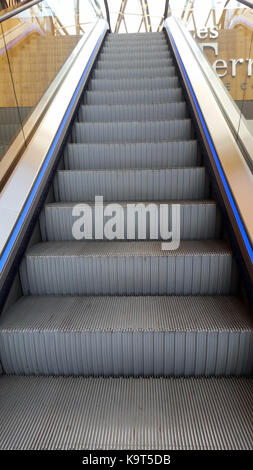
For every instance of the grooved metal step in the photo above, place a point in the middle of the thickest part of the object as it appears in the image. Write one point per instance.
(131, 185)
(133, 155)
(133, 97)
(134, 63)
(128, 268)
(142, 112)
(198, 220)
(139, 38)
(138, 47)
(134, 131)
(127, 336)
(144, 38)
(130, 413)
(97, 84)
(151, 72)
(122, 56)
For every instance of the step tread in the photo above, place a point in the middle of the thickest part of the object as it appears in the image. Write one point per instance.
(132, 184)
(132, 130)
(185, 142)
(85, 249)
(99, 84)
(133, 170)
(134, 155)
(67, 205)
(112, 314)
(118, 413)
(135, 96)
(198, 219)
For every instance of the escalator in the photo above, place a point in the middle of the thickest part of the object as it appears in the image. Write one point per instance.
(120, 344)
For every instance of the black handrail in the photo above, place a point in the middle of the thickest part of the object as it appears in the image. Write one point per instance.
(247, 3)
(19, 9)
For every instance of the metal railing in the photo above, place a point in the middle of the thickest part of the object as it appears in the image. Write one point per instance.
(19, 8)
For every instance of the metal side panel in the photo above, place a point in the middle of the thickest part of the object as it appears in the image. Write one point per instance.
(198, 220)
(144, 62)
(132, 185)
(138, 37)
(134, 155)
(127, 336)
(110, 49)
(193, 414)
(128, 268)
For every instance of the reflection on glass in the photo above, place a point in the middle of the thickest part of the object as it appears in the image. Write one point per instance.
(34, 44)
(224, 31)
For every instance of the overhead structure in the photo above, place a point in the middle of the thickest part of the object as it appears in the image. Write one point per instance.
(149, 16)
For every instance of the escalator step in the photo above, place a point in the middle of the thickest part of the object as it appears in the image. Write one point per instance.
(122, 336)
(119, 56)
(134, 131)
(150, 72)
(150, 48)
(130, 413)
(138, 38)
(134, 84)
(148, 112)
(198, 220)
(135, 155)
(134, 63)
(128, 268)
(132, 185)
(133, 97)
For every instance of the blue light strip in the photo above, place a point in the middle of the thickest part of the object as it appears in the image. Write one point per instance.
(215, 156)
(42, 171)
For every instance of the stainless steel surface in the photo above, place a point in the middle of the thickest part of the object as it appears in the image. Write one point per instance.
(129, 268)
(100, 413)
(231, 158)
(20, 184)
